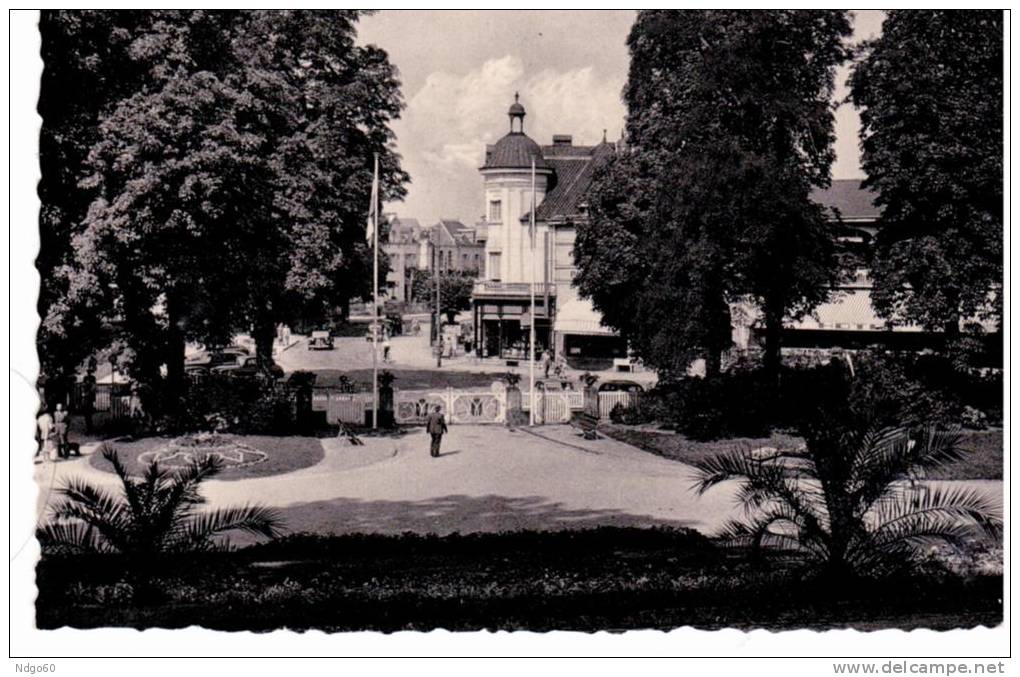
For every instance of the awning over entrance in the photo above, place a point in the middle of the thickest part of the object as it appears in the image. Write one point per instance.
(577, 316)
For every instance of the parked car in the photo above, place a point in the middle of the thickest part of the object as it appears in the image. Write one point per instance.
(615, 386)
(216, 357)
(320, 340)
(203, 362)
(245, 367)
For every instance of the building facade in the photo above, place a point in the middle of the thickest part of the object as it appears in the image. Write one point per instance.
(569, 325)
(403, 249)
(448, 245)
(451, 246)
(518, 259)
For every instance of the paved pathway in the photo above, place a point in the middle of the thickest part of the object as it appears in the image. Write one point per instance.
(488, 478)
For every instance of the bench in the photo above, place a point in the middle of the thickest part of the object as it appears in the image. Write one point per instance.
(588, 425)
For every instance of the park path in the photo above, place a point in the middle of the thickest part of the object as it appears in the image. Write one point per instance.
(489, 478)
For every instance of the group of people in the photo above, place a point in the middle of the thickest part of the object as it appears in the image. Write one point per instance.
(558, 366)
(52, 435)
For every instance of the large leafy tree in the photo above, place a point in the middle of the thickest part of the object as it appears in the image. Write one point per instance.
(455, 289)
(87, 67)
(340, 98)
(930, 91)
(226, 183)
(730, 126)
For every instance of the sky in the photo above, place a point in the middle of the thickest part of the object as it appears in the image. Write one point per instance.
(459, 71)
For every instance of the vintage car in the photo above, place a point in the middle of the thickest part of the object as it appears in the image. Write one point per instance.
(244, 367)
(207, 360)
(320, 340)
(614, 386)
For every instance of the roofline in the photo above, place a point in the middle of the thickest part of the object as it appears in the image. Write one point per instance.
(517, 170)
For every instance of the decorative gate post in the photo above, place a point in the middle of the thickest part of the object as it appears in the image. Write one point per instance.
(514, 406)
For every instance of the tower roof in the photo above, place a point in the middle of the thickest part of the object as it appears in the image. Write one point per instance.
(516, 109)
(514, 151)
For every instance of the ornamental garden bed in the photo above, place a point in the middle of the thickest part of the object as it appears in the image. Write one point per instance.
(244, 456)
(600, 579)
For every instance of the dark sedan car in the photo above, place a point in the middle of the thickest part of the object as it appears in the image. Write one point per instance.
(620, 387)
(245, 367)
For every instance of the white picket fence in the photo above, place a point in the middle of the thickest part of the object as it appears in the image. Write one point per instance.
(341, 407)
(459, 406)
(609, 400)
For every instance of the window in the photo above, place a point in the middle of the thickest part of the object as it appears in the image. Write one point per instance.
(494, 261)
(495, 211)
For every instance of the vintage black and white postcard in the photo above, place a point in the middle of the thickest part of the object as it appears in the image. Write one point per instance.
(517, 320)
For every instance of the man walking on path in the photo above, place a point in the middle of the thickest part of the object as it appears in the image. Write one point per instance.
(436, 426)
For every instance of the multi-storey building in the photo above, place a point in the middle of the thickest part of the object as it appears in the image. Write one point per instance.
(402, 247)
(514, 257)
(569, 324)
(448, 245)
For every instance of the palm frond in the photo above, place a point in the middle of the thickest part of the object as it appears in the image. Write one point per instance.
(253, 519)
(132, 491)
(113, 527)
(71, 538)
(92, 499)
(927, 510)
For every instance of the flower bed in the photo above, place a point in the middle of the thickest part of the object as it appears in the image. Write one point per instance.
(244, 456)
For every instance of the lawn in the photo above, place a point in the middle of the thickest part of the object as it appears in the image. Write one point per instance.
(600, 579)
(412, 379)
(983, 449)
(678, 448)
(284, 455)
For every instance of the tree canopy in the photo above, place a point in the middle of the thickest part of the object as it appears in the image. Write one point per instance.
(454, 289)
(226, 181)
(930, 90)
(729, 127)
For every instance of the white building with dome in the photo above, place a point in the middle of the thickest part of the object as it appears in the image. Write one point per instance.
(569, 325)
(501, 301)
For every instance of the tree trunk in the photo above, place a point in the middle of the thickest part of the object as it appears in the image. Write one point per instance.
(773, 358)
(175, 345)
(713, 363)
(264, 334)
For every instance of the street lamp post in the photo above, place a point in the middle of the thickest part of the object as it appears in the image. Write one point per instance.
(436, 257)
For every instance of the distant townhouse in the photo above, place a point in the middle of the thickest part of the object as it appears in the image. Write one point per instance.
(448, 245)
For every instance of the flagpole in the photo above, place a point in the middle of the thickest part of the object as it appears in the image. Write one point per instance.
(531, 337)
(375, 293)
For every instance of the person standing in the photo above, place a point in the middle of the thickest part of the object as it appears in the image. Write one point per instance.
(60, 428)
(386, 346)
(43, 430)
(436, 427)
(546, 362)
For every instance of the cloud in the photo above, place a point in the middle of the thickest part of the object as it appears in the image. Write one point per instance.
(449, 120)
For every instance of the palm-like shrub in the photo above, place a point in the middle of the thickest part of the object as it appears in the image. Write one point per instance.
(850, 500)
(158, 512)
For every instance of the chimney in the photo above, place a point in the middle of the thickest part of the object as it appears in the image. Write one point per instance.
(562, 140)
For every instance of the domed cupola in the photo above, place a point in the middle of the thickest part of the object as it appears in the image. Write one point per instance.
(517, 113)
(516, 149)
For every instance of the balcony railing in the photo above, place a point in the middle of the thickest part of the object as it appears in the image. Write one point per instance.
(490, 288)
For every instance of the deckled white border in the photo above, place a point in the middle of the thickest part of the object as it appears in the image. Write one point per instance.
(25, 67)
